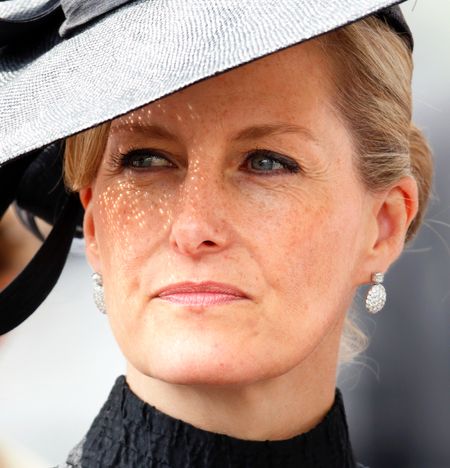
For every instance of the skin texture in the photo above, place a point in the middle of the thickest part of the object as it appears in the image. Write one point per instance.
(299, 244)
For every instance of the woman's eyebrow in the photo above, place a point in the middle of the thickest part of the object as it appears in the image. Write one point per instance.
(276, 128)
(248, 133)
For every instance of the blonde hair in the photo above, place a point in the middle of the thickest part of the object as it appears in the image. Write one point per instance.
(372, 77)
(373, 72)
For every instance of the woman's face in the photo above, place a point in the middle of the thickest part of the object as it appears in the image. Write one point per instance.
(245, 179)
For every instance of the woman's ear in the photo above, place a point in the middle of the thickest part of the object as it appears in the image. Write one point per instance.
(89, 232)
(393, 212)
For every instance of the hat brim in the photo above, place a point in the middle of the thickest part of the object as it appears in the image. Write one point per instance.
(143, 51)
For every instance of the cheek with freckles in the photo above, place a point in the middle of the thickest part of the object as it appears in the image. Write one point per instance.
(130, 222)
(127, 218)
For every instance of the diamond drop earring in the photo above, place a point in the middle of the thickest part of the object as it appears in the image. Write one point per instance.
(376, 296)
(99, 297)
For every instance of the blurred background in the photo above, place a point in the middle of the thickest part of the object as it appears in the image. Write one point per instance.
(58, 367)
(398, 395)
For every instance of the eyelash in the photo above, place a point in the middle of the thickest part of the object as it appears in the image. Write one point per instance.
(125, 160)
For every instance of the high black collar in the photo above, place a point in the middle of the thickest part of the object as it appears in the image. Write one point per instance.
(130, 433)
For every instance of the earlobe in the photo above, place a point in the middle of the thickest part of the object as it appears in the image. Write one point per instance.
(89, 231)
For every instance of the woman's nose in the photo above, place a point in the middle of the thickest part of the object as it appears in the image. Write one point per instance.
(200, 223)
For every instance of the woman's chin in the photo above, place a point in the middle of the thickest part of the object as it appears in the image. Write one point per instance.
(203, 364)
(230, 345)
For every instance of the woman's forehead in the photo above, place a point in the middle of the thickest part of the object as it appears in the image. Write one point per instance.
(288, 83)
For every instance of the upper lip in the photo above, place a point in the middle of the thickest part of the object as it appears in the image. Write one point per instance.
(205, 286)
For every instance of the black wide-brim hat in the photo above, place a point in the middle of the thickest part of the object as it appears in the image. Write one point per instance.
(68, 65)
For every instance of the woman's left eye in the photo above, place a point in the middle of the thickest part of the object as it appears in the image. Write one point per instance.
(265, 161)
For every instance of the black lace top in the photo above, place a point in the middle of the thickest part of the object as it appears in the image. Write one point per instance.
(129, 433)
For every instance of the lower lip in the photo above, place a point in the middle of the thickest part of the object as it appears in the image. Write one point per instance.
(200, 299)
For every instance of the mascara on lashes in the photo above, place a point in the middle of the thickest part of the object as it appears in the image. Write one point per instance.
(124, 160)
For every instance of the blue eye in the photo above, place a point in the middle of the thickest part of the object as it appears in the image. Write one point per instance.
(143, 159)
(265, 161)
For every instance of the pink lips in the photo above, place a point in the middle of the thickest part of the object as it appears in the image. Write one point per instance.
(200, 294)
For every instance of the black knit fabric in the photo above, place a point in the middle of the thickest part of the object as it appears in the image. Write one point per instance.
(129, 433)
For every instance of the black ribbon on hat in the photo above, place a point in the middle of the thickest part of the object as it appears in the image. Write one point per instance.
(34, 182)
(27, 292)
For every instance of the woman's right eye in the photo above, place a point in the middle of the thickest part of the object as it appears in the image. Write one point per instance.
(143, 159)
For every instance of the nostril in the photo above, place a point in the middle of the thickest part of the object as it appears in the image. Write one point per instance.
(208, 242)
